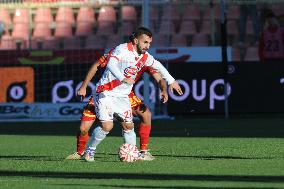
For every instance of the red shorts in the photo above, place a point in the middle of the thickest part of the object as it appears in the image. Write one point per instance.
(134, 101)
(89, 112)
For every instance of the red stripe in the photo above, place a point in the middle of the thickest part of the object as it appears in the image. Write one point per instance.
(129, 46)
(108, 86)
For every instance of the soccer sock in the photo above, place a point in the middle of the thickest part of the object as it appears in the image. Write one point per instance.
(144, 133)
(129, 136)
(98, 135)
(81, 142)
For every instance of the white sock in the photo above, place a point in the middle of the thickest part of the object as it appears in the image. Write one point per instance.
(98, 135)
(129, 136)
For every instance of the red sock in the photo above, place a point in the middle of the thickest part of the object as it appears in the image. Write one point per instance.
(144, 133)
(81, 142)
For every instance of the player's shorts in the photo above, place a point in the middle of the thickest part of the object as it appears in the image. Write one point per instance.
(89, 112)
(134, 101)
(107, 106)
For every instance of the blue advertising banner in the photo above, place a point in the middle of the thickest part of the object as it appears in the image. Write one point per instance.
(40, 111)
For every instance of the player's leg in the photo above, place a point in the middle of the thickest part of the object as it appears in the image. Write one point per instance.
(140, 110)
(105, 117)
(87, 120)
(99, 134)
(145, 116)
(123, 113)
(128, 133)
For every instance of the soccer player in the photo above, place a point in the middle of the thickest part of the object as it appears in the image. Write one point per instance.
(138, 109)
(115, 85)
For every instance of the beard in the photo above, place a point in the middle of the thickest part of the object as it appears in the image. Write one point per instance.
(140, 50)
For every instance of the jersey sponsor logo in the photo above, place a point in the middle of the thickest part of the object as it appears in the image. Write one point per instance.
(130, 71)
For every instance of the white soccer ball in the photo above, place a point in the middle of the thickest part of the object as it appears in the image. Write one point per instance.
(128, 152)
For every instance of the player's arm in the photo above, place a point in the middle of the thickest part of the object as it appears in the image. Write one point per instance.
(93, 70)
(173, 84)
(163, 86)
(113, 66)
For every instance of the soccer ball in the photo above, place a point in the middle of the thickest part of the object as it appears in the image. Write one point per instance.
(128, 152)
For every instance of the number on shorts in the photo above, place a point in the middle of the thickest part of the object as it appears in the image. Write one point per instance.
(128, 114)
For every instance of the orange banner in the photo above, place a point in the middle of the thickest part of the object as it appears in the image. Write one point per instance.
(17, 84)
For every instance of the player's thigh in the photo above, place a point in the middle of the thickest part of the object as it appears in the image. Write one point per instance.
(104, 108)
(143, 113)
(121, 106)
(85, 126)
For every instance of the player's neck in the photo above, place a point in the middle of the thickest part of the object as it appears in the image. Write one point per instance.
(135, 50)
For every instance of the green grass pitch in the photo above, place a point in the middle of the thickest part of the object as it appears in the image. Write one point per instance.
(190, 153)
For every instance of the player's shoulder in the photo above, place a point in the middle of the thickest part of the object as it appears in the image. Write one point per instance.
(149, 56)
(120, 48)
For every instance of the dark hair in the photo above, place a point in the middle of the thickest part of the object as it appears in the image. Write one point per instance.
(140, 31)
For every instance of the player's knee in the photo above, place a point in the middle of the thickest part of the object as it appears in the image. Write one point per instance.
(127, 125)
(83, 131)
(106, 126)
(85, 126)
(146, 117)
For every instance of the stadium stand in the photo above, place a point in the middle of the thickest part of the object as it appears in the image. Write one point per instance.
(178, 40)
(65, 14)
(187, 27)
(86, 14)
(251, 54)
(41, 31)
(63, 30)
(21, 16)
(107, 14)
(43, 15)
(233, 12)
(236, 54)
(128, 13)
(200, 39)
(191, 12)
(84, 28)
(21, 31)
(208, 11)
(5, 17)
(113, 41)
(206, 27)
(160, 40)
(181, 23)
(167, 27)
(105, 28)
(126, 28)
(170, 12)
(7, 42)
(95, 41)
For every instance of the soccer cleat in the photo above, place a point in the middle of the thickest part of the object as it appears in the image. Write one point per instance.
(145, 156)
(74, 156)
(89, 155)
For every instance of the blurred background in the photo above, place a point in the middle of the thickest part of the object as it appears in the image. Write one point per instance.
(226, 65)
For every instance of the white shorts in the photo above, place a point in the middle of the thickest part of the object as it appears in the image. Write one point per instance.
(106, 106)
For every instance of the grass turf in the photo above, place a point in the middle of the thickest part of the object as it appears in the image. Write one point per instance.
(233, 157)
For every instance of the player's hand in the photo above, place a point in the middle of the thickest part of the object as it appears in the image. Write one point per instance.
(164, 96)
(81, 93)
(129, 81)
(175, 86)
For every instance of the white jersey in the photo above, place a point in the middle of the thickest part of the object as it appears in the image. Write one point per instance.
(124, 62)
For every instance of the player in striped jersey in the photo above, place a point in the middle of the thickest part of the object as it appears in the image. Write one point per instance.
(139, 109)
